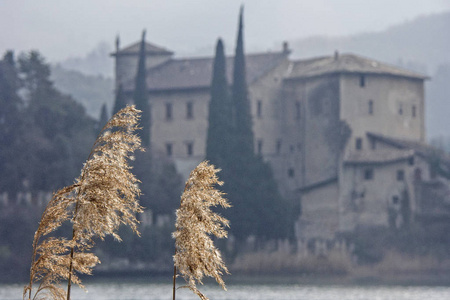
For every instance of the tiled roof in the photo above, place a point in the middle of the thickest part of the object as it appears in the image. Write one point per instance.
(197, 72)
(426, 151)
(380, 156)
(318, 184)
(345, 63)
(150, 49)
(419, 147)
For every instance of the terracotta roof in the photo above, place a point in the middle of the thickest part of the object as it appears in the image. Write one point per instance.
(150, 49)
(380, 156)
(345, 63)
(197, 72)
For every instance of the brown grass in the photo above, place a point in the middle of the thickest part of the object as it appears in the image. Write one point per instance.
(285, 262)
(398, 263)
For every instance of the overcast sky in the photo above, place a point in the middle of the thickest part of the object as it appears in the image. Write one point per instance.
(71, 28)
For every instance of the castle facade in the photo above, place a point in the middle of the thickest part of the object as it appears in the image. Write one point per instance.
(344, 134)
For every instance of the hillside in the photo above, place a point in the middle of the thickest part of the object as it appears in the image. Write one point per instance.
(90, 90)
(421, 44)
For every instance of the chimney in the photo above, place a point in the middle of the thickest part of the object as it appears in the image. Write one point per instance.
(286, 48)
(117, 43)
(336, 55)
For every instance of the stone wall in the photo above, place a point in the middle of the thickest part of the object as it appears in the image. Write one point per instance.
(382, 198)
(318, 129)
(397, 108)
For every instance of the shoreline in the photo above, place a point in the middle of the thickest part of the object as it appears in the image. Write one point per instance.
(441, 278)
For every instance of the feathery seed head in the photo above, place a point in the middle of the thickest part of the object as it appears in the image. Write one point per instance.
(102, 198)
(196, 256)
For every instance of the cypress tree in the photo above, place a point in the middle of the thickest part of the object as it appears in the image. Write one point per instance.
(103, 117)
(258, 207)
(242, 115)
(219, 136)
(140, 95)
(119, 102)
(12, 126)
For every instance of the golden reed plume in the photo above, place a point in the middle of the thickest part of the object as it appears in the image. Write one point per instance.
(101, 199)
(196, 256)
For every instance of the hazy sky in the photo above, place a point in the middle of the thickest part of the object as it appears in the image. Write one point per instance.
(70, 28)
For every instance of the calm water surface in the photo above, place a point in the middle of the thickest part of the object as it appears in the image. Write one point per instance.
(140, 290)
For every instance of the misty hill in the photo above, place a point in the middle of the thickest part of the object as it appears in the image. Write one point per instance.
(96, 62)
(90, 90)
(421, 44)
(438, 105)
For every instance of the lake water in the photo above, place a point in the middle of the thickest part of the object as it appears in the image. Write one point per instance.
(141, 290)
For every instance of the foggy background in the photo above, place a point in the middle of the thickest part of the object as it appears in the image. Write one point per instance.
(62, 29)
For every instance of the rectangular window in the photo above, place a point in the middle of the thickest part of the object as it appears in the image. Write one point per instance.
(370, 107)
(358, 143)
(400, 109)
(260, 146)
(259, 108)
(362, 81)
(169, 149)
(168, 111)
(292, 148)
(400, 175)
(413, 111)
(291, 173)
(190, 148)
(368, 174)
(190, 110)
(297, 110)
(279, 146)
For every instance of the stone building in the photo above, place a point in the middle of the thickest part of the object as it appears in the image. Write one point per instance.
(344, 134)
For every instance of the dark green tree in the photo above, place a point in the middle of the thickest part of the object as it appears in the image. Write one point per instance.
(220, 129)
(258, 207)
(241, 103)
(140, 95)
(161, 185)
(103, 117)
(119, 102)
(11, 125)
(58, 131)
(44, 138)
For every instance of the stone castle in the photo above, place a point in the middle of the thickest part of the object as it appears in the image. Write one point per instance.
(344, 134)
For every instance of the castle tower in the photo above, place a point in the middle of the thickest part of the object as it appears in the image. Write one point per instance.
(126, 60)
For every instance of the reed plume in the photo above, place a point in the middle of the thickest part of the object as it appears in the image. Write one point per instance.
(102, 198)
(196, 256)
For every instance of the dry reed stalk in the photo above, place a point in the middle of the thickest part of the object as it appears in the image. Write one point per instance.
(100, 200)
(196, 256)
